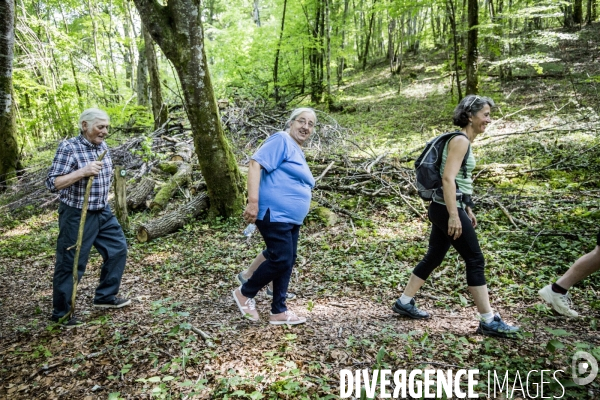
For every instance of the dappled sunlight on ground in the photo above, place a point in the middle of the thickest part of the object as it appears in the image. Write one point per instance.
(422, 90)
(29, 224)
(18, 231)
(390, 94)
(157, 258)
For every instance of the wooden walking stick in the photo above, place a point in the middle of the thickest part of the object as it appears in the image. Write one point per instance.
(77, 245)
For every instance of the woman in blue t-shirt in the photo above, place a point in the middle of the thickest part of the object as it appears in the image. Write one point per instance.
(453, 222)
(279, 193)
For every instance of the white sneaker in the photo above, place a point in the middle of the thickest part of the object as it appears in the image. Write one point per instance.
(561, 303)
(246, 305)
(286, 318)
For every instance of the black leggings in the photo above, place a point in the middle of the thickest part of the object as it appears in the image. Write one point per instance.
(467, 246)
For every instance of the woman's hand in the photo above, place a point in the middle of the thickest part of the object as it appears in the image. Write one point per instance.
(472, 217)
(454, 226)
(251, 212)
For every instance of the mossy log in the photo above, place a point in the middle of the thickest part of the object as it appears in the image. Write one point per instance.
(326, 216)
(139, 194)
(170, 167)
(173, 220)
(181, 178)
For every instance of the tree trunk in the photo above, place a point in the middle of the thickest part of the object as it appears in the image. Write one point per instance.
(159, 108)
(473, 21)
(452, 16)
(342, 60)
(369, 34)
(97, 51)
(177, 29)
(391, 47)
(578, 11)
(277, 50)
(71, 62)
(327, 27)
(316, 54)
(127, 56)
(568, 16)
(141, 86)
(256, 13)
(174, 220)
(9, 150)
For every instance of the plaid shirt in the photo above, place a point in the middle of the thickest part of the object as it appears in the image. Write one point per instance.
(74, 154)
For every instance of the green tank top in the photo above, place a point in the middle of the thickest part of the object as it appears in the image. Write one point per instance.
(465, 184)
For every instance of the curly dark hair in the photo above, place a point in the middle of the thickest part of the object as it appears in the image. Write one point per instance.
(469, 106)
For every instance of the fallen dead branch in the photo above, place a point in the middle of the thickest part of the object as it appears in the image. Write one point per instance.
(205, 336)
(507, 214)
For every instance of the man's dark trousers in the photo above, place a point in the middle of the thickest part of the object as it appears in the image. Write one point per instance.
(102, 230)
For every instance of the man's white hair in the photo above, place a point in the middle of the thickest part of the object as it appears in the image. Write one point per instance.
(90, 115)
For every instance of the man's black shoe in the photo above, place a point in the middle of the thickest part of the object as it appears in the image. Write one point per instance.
(70, 324)
(117, 302)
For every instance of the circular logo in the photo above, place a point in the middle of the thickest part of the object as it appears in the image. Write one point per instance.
(584, 368)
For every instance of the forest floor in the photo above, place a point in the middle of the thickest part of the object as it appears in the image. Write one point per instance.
(538, 161)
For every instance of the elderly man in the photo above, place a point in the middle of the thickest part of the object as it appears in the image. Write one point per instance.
(73, 164)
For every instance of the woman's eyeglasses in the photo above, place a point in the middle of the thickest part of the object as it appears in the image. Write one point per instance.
(303, 122)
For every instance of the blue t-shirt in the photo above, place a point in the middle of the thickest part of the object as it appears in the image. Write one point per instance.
(285, 180)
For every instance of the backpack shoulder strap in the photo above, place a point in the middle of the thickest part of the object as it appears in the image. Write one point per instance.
(463, 165)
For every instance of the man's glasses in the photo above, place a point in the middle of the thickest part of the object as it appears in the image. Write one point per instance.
(472, 102)
(303, 122)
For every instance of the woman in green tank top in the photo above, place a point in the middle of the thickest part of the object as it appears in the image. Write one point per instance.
(453, 224)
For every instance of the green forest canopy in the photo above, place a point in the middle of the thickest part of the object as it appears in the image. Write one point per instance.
(71, 55)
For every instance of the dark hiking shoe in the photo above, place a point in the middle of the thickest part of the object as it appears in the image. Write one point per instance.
(117, 302)
(409, 310)
(74, 322)
(498, 328)
(240, 279)
(288, 295)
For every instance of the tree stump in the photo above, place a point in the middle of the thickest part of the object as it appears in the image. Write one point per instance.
(173, 220)
(138, 195)
(165, 193)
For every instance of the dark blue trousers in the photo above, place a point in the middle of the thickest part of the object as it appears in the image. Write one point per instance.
(281, 239)
(101, 230)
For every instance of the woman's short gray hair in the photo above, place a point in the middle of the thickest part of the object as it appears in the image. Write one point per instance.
(468, 107)
(297, 112)
(92, 114)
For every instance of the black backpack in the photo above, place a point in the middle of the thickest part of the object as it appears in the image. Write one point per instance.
(427, 168)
